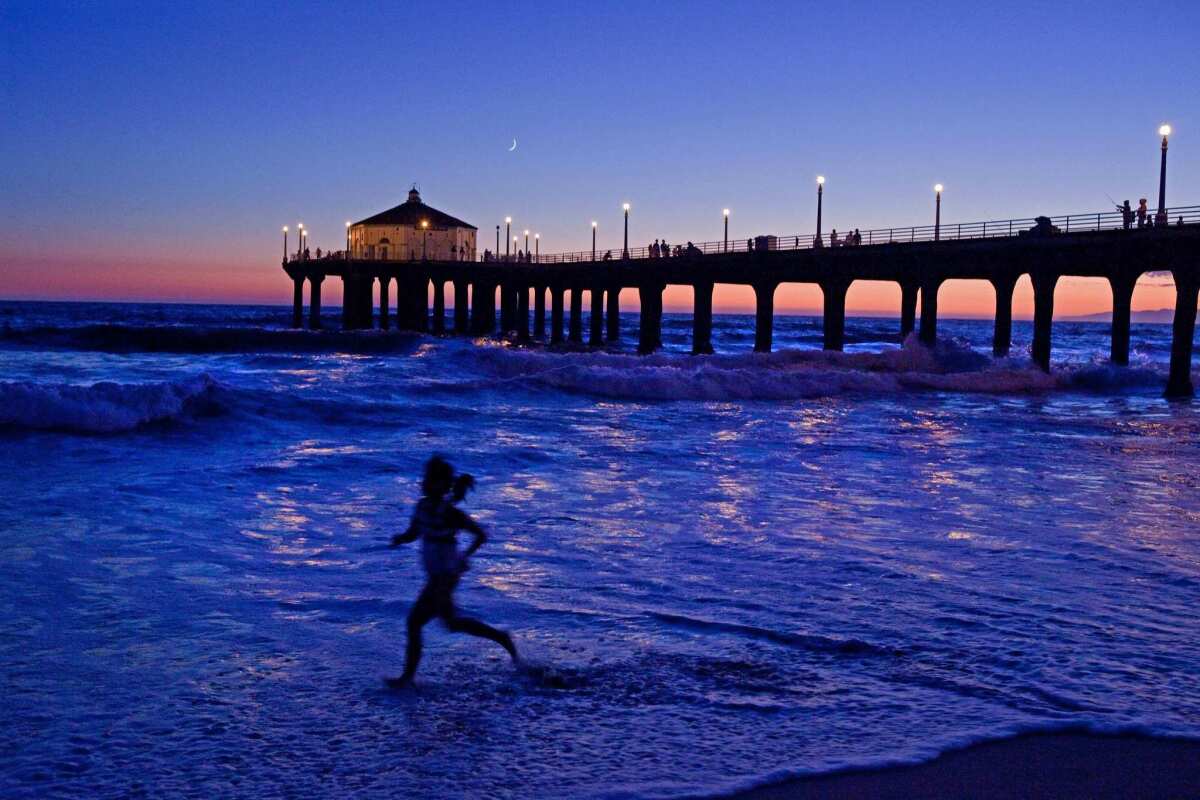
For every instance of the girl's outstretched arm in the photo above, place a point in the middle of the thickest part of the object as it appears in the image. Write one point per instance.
(409, 535)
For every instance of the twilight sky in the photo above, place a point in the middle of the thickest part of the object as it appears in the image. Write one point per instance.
(154, 150)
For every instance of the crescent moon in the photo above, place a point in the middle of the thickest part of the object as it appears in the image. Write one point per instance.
(514, 147)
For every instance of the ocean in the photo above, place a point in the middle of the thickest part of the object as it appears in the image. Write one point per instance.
(726, 570)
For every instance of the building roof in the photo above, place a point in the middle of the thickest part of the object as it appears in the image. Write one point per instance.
(412, 213)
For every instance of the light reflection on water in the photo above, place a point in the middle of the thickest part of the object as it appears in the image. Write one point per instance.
(806, 581)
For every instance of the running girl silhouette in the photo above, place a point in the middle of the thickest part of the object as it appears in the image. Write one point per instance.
(436, 521)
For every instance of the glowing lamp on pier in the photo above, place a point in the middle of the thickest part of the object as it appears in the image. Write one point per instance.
(820, 198)
(285, 242)
(347, 240)
(507, 231)
(725, 213)
(537, 246)
(1160, 218)
(424, 237)
(625, 249)
(937, 215)
(594, 223)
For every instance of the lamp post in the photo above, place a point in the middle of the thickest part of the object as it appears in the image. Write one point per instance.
(497, 255)
(937, 214)
(726, 213)
(625, 250)
(1161, 217)
(527, 242)
(593, 240)
(507, 232)
(820, 199)
(424, 236)
(514, 245)
(285, 243)
(537, 247)
(347, 240)
(299, 240)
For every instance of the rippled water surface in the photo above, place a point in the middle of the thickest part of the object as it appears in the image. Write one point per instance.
(725, 569)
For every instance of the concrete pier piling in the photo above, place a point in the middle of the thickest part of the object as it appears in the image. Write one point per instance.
(1122, 293)
(929, 303)
(908, 308)
(834, 292)
(1002, 332)
(1187, 287)
(314, 303)
(462, 308)
(1043, 317)
(439, 307)
(539, 312)
(764, 316)
(556, 314)
(297, 302)
(596, 332)
(1044, 253)
(384, 282)
(575, 332)
(702, 318)
(523, 313)
(508, 307)
(650, 318)
(483, 308)
(614, 314)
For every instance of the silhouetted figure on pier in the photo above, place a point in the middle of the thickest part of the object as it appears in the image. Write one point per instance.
(655, 250)
(664, 249)
(833, 238)
(857, 237)
(436, 521)
(1126, 215)
(1142, 212)
(607, 256)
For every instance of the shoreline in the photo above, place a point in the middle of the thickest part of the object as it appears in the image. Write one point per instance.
(1061, 764)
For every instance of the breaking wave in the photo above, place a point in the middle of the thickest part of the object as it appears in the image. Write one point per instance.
(105, 407)
(205, 339)
(951, 366)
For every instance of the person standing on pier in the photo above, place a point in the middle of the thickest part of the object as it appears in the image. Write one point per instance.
(436, 520)
(1142, 212)
(1126, 215)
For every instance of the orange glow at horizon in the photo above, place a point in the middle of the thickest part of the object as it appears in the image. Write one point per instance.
(155, 280)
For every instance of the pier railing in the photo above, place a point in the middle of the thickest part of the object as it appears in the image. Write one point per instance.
(954, 231)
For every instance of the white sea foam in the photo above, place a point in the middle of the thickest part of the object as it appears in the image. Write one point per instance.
(104, 407)
(798, 374)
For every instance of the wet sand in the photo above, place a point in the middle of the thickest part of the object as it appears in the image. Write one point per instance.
(1053, 765)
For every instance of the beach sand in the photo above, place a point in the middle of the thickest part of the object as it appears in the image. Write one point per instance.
(1051, 765)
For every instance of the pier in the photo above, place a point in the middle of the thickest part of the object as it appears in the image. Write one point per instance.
(918, 259)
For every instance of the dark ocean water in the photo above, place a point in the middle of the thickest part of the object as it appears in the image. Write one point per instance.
(728, 568)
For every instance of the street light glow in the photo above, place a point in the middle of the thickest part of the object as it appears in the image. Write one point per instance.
(725, 212)
(527, 231)
(938, 188)
(593, 223)
(537, 236)
(1164, 130)
(508, 220)
(424, 223)
(347, 223)
(820, 180)
(625, 206)
(285, 228)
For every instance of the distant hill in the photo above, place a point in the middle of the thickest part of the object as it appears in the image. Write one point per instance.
(1161, 315)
